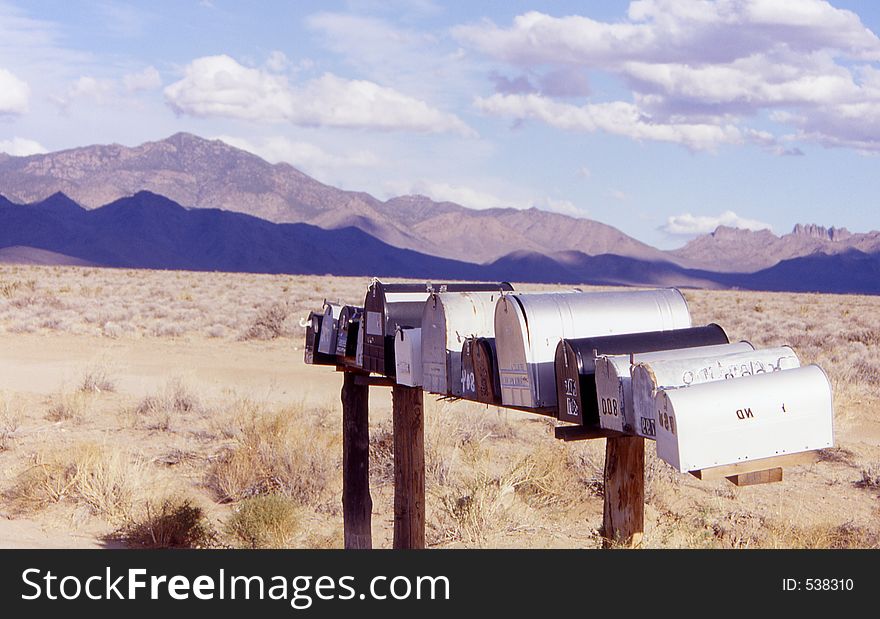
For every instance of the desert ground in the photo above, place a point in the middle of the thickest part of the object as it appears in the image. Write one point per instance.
(155, 409)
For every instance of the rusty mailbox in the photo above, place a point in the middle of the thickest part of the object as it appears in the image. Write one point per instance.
(389, 306)
(649, 376)
(614, 392)
(313, 337)
(408, 357)
(747, 418)
(479, 371)
(528, 328)
(329, 328)
(575, 363)
(348, 330)
(450, 318)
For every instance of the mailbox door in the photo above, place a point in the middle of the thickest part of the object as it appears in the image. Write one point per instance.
(329, 329)
(747, 418)
(408, 357)
(612, 380)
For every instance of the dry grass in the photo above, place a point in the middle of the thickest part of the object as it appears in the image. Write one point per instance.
(286, 452)
(106, 480)
(268, 521)
(174, 522)
(68, 406)
(163, 410)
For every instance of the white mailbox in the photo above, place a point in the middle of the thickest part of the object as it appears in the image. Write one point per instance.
(408, 357)
(528, 328)
(649, 376)
(448, 320)
(748, 418)
(614, 392)
(329, 328)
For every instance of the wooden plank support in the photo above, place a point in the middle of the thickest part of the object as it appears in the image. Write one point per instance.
(357, 505)
(753, 466)
(373, 381)
(623, 522)
(583, 433)
(767, 476)
(409, 467)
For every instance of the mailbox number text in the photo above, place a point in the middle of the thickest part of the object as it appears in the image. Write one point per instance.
(609, 406)
(745, 413)
(574, 410)
(648, 428)
(666, 421)
(468, 384)
(571, 387)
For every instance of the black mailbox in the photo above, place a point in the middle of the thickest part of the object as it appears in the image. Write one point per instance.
(479, 372)
(348, 331)
(576, 368)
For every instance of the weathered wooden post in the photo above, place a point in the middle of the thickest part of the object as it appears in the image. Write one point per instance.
(409, 467)
(357, 505)
(623, 522)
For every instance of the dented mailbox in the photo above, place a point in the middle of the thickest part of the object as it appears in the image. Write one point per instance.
(479, 373)
(575, 363)
(747, 418)
(347, 334)
(614, 393)
(408, 357)
(649, 376)
(329, 329)
(528, 328)
(449, 318)
(389, 306)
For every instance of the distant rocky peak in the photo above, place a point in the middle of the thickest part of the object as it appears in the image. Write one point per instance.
(821, 233)
(727, 232)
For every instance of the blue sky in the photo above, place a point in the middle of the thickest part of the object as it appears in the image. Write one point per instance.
(661, 118)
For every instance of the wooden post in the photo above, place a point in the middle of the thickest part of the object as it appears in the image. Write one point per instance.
(357, 505)
(624, 518)
(409, 467)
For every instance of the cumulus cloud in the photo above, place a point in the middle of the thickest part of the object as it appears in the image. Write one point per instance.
(714, 63)
(309, 157)
(146, 79)
(218, 86)
(21, 147)
(617, 117)
(14, 94)
(694, 225)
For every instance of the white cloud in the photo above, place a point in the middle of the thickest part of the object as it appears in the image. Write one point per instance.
(14, 94)
(617, 194)
(21, 147)
(306, 156)
(617, 117)
(146, 79)
(277, 61)
(718, 64)
(218, 86)
(694, 225)
(584, 172)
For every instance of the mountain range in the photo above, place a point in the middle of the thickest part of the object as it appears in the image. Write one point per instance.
(190, 203)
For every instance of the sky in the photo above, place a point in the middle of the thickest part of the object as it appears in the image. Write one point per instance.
(664, 118)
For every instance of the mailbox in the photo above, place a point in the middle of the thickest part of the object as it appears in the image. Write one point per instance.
(329, 329)
(747, 418)
(389, 306)
(528, 328)
(614, 391)
(575, 363)
(449, 318)
(479, 373)
(313, 336)
(347, 334)
(651, 375)
(408, 357)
